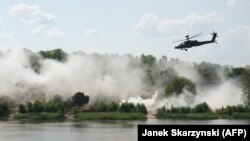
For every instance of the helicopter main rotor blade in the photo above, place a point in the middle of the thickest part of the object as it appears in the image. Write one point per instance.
(187, 36)
(199, 34)
(180, 40)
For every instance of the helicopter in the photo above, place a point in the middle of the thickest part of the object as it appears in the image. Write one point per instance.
(192, 43)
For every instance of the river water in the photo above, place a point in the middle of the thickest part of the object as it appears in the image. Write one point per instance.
(87, 130)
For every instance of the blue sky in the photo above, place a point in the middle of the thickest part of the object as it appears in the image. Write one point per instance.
(132, 26)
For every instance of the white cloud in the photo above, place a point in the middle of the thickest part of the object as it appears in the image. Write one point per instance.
(151, 24)
(236, 42)
(238, 36)
(1, 24)
(7, 40)
(50, 32)
(233, 2)
(233, 47)
(6, 35)
(147, 21)
(30, 14)
(93, 32)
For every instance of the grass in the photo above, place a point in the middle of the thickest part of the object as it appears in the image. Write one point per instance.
(201, 116)
(236, 115)
(39, 116)
(109, 116)
(197, 116)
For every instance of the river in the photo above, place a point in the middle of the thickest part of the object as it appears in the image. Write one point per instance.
(87, 130)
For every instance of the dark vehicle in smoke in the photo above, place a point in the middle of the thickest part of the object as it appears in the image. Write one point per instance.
(192, 43)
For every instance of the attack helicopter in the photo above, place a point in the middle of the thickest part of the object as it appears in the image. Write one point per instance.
(192, 43)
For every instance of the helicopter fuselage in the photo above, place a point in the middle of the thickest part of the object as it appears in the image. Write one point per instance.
(192, 43)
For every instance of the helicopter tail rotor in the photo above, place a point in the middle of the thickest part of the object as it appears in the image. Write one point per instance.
(214, 33)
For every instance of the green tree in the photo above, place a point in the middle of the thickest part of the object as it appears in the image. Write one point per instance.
(99, 106)
(202, 108)
(245, 83)
(50, 106)
(112, 107)
(234, 72)
(160, 111)
(38, 107)
(68, 103)
(21, 108)
(177, 85)
(60, 108)
(148, 60)
(80, 99)
(57, 99)
(208, 73)
(4, 109)
(127, 107)
(35, 62)
(168, 74)
(7, 100)
(30, 108)
(56, 54)
(141, 108)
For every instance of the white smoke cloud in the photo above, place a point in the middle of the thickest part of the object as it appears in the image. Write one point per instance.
(109, 76)
(227, 92)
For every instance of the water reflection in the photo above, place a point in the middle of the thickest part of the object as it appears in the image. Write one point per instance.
(87, 130)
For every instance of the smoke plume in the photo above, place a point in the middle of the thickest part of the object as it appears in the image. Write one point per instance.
(118, 77)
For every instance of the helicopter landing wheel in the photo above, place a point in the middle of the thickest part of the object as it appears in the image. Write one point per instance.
(186, 50)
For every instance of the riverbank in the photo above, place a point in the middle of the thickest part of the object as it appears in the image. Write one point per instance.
(39, 116)
(190, 116)
(44, 116)
(95, 116)
(109, 116)
(203, 116)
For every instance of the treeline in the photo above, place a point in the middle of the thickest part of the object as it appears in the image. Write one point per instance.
(203, 111)
(57, 107)
(232, 110)
(110, 110)
(100, 106)
(57, 104)
(200, 108)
